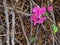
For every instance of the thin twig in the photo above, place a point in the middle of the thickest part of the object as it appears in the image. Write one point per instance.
(13, 28)
(56, 6)
(36, 34)
(57, 39)
(24, 31)
(18, 11)
(49, 18)
(7, 21)
(30, 19)
(52, 14)
(34, 3)
(18, 41)
(41, 2)
(0, 40)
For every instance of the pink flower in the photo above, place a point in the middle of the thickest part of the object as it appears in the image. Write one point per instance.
(41, 20)
(50, 8)
(37, 13)
(43, 10)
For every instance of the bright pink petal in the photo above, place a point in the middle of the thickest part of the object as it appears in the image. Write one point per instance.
(41, 20)
(33, 16)
(43, 10)
(35, 21)
(50, 8)
(35, 9)
(39, 16)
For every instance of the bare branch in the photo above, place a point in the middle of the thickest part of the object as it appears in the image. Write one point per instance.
(24, 31)
(13, 28)
(7, 21)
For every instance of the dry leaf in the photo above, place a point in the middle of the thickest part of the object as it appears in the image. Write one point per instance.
(51, 1)
(59, 25)
(16, 0)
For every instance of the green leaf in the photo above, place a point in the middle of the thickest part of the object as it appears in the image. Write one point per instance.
(32, 39)
(47, 13)
(55, 28)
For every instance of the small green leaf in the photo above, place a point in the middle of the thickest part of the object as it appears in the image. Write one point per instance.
(55, 28)
(47, 13)
(32, 39)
